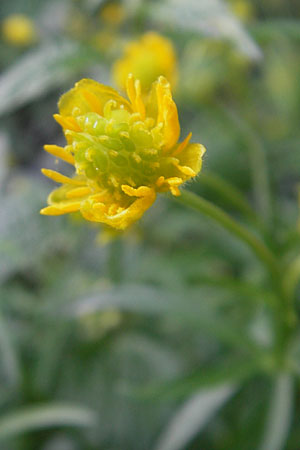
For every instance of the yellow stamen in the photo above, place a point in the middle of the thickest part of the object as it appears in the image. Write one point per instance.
(133, 88)
(59, 152)
(160, 181)
(78, 192)
(130, 88)
(139, 104)
(175, 191)
(182, 145)
(142, 191)
(99, 207)
(174, 181)
(93, 101)
(68, 123)
(187, 171)
(55, 211)
(59, 178)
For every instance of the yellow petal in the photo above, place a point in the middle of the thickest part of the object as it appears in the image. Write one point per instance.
(191, 158)
(122, 219)
(133, 88)
(97, 93)
(167, 113)
(182, 145)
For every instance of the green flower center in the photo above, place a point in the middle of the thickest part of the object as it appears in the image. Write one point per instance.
(118, 148)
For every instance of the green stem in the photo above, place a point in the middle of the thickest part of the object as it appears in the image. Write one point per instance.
(257, 161)
(229, 193)
(218, 215)
(291, 279)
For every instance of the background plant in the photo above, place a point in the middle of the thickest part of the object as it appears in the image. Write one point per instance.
(183, 332)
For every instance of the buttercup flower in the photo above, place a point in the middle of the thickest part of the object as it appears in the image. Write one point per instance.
(19, 30)
(112, 13)
(123, 151)
(148, 58)
(243, 9)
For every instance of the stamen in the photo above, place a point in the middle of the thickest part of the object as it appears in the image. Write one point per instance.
(78, 192)
(60, 152)
(68, 123)
(62, 209)
(59, 178)
(93, 101)
(182, 145)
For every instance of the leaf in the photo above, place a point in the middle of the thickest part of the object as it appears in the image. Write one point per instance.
(280, 414)
(4, 156)
(204, 377)
(41, 70)
(200, 307)
(193, 416)
(9, 361)
(211, 17)
(46, 416)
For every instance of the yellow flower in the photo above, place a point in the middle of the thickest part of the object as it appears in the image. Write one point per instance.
(19, 30)
(124, 152)
(243, 9)
(112, 13)
(148, 58)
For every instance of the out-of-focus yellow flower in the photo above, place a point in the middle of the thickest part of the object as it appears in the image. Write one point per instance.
(210, 66)
(112, 13)
(97, 325)
(147, 59)
(124, 152)
(19, 30)
(243, 9)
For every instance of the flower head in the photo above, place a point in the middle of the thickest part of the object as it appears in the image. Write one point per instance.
(112, 13)
(19, 30)
(124, 152)
(147, 58)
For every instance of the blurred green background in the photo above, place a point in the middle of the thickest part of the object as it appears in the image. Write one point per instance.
(165, 337)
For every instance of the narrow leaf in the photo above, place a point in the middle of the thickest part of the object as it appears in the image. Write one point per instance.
(40, 70)
(9, 362)
(46, 416)
(280, 414)
(211, 17)
(193, 416)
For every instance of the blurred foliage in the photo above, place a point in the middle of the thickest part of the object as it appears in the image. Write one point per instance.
(170, 336)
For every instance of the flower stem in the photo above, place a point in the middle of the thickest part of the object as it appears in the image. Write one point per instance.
(292, 278)
(229, 193)
(222, 218)
(257, 161)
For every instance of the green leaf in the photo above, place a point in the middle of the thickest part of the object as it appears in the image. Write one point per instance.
(204, 377)
(193, 416)
(41, 70)
(280, 414)
(9, 361)
(46, 416)
(200, 308)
